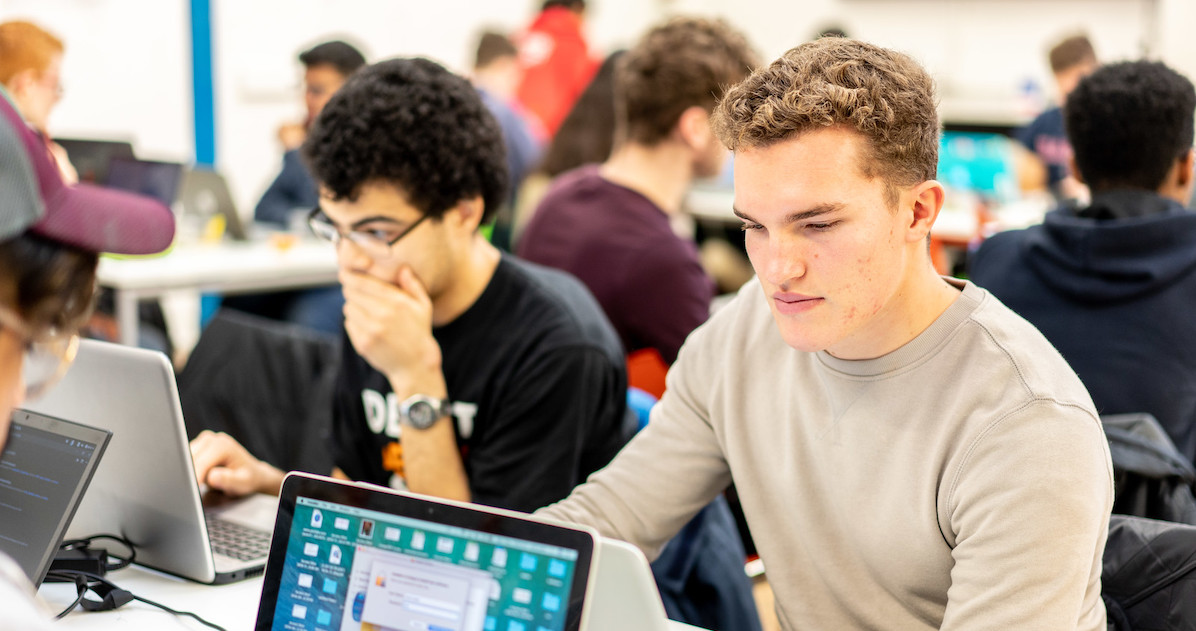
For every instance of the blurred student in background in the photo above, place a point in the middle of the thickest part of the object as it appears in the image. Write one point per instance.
(1112, 284)
(586, 136)
(609, 224)
(1071, 60)
(293, 193)
(31, 71)
(496, 75)
(556, 61)
(50, 234)
(326, 67)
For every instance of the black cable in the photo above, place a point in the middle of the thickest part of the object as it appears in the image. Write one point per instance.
(80, 582)
(180, 613)
(84, 543)
(85, 581)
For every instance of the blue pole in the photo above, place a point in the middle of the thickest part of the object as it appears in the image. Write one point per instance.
(205, 112)
(201, 81)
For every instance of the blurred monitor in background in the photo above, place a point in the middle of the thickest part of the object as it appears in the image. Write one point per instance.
(979, 161)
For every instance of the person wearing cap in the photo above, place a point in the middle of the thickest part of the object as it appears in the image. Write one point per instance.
(50, 237)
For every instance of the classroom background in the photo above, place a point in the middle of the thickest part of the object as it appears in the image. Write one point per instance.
(209, 81)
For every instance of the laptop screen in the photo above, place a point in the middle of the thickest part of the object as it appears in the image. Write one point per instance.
(346, 556)
(159, 180)
(46, 466)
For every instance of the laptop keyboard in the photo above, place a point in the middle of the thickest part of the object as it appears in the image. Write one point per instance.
(239, 542)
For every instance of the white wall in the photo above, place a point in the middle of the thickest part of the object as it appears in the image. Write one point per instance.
(127, 71)
(258, 75)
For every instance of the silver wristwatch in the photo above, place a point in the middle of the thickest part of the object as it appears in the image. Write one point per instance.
(421, 411)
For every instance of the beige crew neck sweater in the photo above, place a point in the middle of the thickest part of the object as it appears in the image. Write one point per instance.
(962, 481)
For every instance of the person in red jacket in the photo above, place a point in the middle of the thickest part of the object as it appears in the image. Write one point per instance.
(556, 60)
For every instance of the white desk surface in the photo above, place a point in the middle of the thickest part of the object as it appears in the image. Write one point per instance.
(232, 606)
(226, 266)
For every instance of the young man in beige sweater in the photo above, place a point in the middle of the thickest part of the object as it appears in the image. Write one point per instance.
(909, 453)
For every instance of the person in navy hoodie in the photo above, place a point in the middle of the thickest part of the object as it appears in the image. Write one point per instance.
(1113, 285)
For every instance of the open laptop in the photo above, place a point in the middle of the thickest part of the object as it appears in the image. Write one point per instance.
(159, 180)
(91, 157)
(351, 555)
(44, 470)
(354, 556)
(205, 194)
(146, 491)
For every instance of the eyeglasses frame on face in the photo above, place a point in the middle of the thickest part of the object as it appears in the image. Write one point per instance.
(362, 240)
(62, 345)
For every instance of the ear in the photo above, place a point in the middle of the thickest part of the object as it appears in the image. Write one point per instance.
(20, 82)
(467, 214)
(1186, 164)
(1075, 171)
(694, 128)
(925, 200)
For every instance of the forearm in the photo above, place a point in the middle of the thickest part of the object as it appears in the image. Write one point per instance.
(432, 462)
(656, 484)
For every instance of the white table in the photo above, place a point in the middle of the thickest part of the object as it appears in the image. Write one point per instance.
(232, 606)
(229, 267)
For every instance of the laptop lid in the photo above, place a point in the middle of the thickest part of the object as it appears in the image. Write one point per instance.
(147, 491)
(46, 465)
(205, 194)
(352, 555)
(90, 157)
(159, 180)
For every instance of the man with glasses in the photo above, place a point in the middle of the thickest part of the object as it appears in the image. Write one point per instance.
(31, 72)
(50, 234)
(466, 374)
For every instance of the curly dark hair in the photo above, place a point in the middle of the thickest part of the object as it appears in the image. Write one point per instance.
(49, 284)
(414, 124)
(1128, 122)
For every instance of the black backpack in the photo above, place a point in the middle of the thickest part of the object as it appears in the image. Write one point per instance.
(1151, 478)
(1149, 575)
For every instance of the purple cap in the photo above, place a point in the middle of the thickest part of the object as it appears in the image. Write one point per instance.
(33, 197)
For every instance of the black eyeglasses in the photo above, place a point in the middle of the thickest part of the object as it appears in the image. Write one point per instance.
(375, 242)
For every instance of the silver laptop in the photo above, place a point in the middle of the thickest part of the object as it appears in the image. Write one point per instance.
(145, 489)
(353, 556)
(205, 194)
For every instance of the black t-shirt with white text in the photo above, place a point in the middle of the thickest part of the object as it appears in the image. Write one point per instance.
(538, 383)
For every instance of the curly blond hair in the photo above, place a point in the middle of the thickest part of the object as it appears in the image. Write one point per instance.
(882, 94)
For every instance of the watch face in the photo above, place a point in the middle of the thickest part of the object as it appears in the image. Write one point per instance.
(422, 415)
